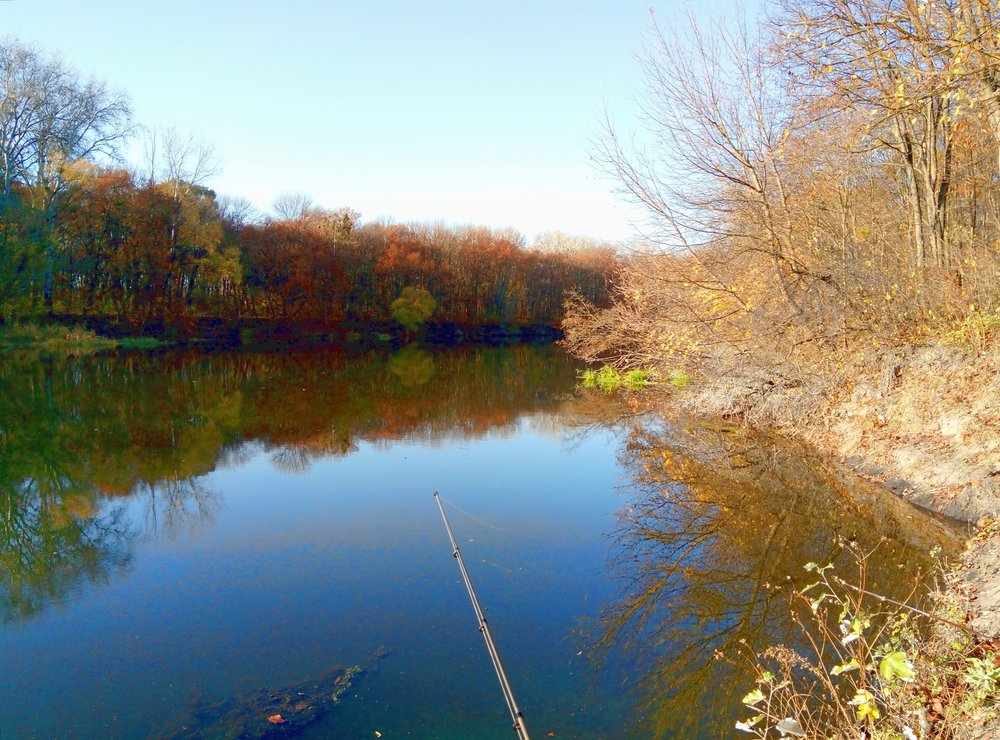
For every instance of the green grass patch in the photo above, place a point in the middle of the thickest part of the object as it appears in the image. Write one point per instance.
(679, 379)
(636, 380)
(140, 343)
(51, 338)
(55, 339)
(975, 332)
(608, 379)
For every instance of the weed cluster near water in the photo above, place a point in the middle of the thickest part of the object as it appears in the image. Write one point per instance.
(975, 331)
(877, 669)
(51, 338)
(608, 379)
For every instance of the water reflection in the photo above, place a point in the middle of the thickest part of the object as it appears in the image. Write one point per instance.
(100, 456)
(174, 506)
(716, 517)
(81, 438)
(51, 541)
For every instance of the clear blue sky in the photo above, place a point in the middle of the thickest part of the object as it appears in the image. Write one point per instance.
(470, 112)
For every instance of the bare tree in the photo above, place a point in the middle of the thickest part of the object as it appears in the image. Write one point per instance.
(712, 178)
(290, 206)
(50, 118)
(188, 159)
(238, 211)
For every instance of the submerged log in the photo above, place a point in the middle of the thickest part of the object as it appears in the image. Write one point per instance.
(270, 712)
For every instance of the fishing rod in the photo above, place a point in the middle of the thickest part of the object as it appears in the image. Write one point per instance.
(484, 628)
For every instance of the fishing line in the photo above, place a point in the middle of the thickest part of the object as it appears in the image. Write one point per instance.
(473, 517)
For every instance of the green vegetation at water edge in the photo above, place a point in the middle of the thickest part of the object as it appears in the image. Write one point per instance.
(888, 669)
(51, 338)
(56, 338)
(608, 379)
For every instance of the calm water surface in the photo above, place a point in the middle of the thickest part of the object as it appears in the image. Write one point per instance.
(185, 527)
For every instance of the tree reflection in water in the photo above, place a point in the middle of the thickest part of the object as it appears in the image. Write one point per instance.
(84, 438)
(717, 517)
(173, 506)
(52, 539)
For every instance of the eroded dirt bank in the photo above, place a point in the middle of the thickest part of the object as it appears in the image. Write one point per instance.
(923, 421)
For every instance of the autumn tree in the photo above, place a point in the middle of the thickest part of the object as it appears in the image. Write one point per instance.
(413, 308)
(51, 118)
(802, 184)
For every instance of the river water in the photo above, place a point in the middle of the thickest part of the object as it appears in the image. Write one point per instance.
(185, 531)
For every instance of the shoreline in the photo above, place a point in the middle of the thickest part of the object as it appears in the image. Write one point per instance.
(922, 422)
(75, 335)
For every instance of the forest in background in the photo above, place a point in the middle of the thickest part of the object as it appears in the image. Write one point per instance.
(82, 237)
(822, 180)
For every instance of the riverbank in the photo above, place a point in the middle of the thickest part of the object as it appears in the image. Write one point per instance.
(60, 339)
(75, 335)
(923, 421)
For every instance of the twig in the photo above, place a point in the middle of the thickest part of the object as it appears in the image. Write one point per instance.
(885, 599)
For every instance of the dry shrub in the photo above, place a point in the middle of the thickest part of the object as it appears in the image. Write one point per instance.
(796, 209)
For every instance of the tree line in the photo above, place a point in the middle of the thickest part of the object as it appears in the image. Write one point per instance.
(826, 174)
(80, 236)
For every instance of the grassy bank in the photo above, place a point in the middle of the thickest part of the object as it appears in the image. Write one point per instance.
(18, 336)
(58, 339)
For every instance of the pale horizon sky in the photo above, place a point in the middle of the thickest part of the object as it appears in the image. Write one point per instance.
(461, 112)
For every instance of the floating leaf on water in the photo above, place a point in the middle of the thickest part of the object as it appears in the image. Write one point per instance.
(790, 726)
(276, 719)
